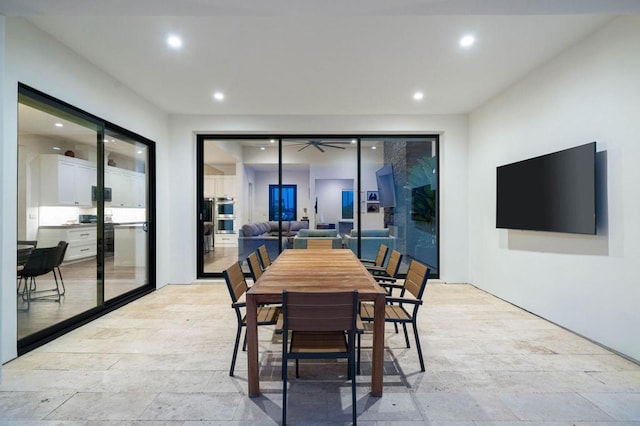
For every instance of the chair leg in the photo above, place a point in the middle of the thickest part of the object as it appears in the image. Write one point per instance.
(354, 412)
(235, 350)
(284, 390)
(417, 337)
(359, 343)
(244, 345)
(406, 334)
(64, 290)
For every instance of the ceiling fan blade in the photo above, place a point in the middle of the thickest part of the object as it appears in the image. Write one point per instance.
(306, 145)
(332, 146)
(317, 145)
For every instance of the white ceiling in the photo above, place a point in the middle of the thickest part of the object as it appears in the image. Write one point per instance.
(318, 57)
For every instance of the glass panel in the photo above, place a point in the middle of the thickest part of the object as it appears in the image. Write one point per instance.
(398, 176)
(236, 177)
(57, 175)
(322, 168)
(402, 173)
(126, 215)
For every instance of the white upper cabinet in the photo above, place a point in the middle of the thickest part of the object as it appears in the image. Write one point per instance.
(128, 188)
(66, 181)
(219, 186)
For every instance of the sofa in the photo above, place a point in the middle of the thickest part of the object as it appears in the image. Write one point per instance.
(253, 235)
(371, 240)
(304, 235)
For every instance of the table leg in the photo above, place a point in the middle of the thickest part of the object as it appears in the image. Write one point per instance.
(377, 367)
(253, 377)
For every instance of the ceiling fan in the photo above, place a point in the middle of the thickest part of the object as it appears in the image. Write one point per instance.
(319, 144)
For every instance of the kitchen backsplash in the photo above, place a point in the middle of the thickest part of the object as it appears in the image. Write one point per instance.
(54, 216)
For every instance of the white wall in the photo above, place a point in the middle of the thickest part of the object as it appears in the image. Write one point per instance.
(5, 208)
(453, 173)
(329, 193)
(35, 59)
(588, 284)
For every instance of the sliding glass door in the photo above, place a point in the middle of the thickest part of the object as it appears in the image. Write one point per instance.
(85, 217)
(368, 191)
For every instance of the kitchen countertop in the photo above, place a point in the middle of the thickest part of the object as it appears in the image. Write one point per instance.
(85, 225)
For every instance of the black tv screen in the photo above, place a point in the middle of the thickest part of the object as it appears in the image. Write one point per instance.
(553, 192)
(386, 186)
(423, 204)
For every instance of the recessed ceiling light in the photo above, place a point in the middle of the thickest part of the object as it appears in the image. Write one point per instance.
(218, 96)
(262, 148)
(56, 148)
(272, 141)
(374, 147)
(467, 40)
(139, 151)
(353, 141)
(174, 42)
(105, 140)
(418, 96)
(59, 125)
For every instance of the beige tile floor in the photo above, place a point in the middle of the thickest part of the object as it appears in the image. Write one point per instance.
(164, 359)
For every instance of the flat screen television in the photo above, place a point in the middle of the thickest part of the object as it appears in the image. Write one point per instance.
(423, 204)
(553, 192)
(386, 186)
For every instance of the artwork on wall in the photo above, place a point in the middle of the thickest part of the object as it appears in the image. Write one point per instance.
(372, 196)
(373, 207)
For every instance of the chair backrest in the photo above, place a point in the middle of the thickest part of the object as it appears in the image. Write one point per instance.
(416, 280)
(254, 266)
(320, 311)
(236, 284)
(393, 265)
(33, 243)
(62, 250)
(315, 243)
(382, 254)
(264, 256)
(23, 255)
(41, 261)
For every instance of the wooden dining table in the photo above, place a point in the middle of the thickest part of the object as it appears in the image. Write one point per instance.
(315, 270)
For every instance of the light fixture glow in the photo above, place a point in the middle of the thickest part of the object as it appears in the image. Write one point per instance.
(262, 148)
(353, 141)
(56, 148)
(59, 125)
(272, 141)
(139, 151)
(418, 96)
(374, 147)
(218, 96)
(467, 40)
(174, 41)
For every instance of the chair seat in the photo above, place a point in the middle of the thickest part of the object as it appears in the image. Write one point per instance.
(391, 312)
(265, 315)
(319, 342)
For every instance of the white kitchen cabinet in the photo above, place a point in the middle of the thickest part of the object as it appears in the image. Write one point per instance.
(130, 245)
(225, 240)
(209, 186)
(128, 188)
(82, 240)
(219, 186)
(66, 181)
